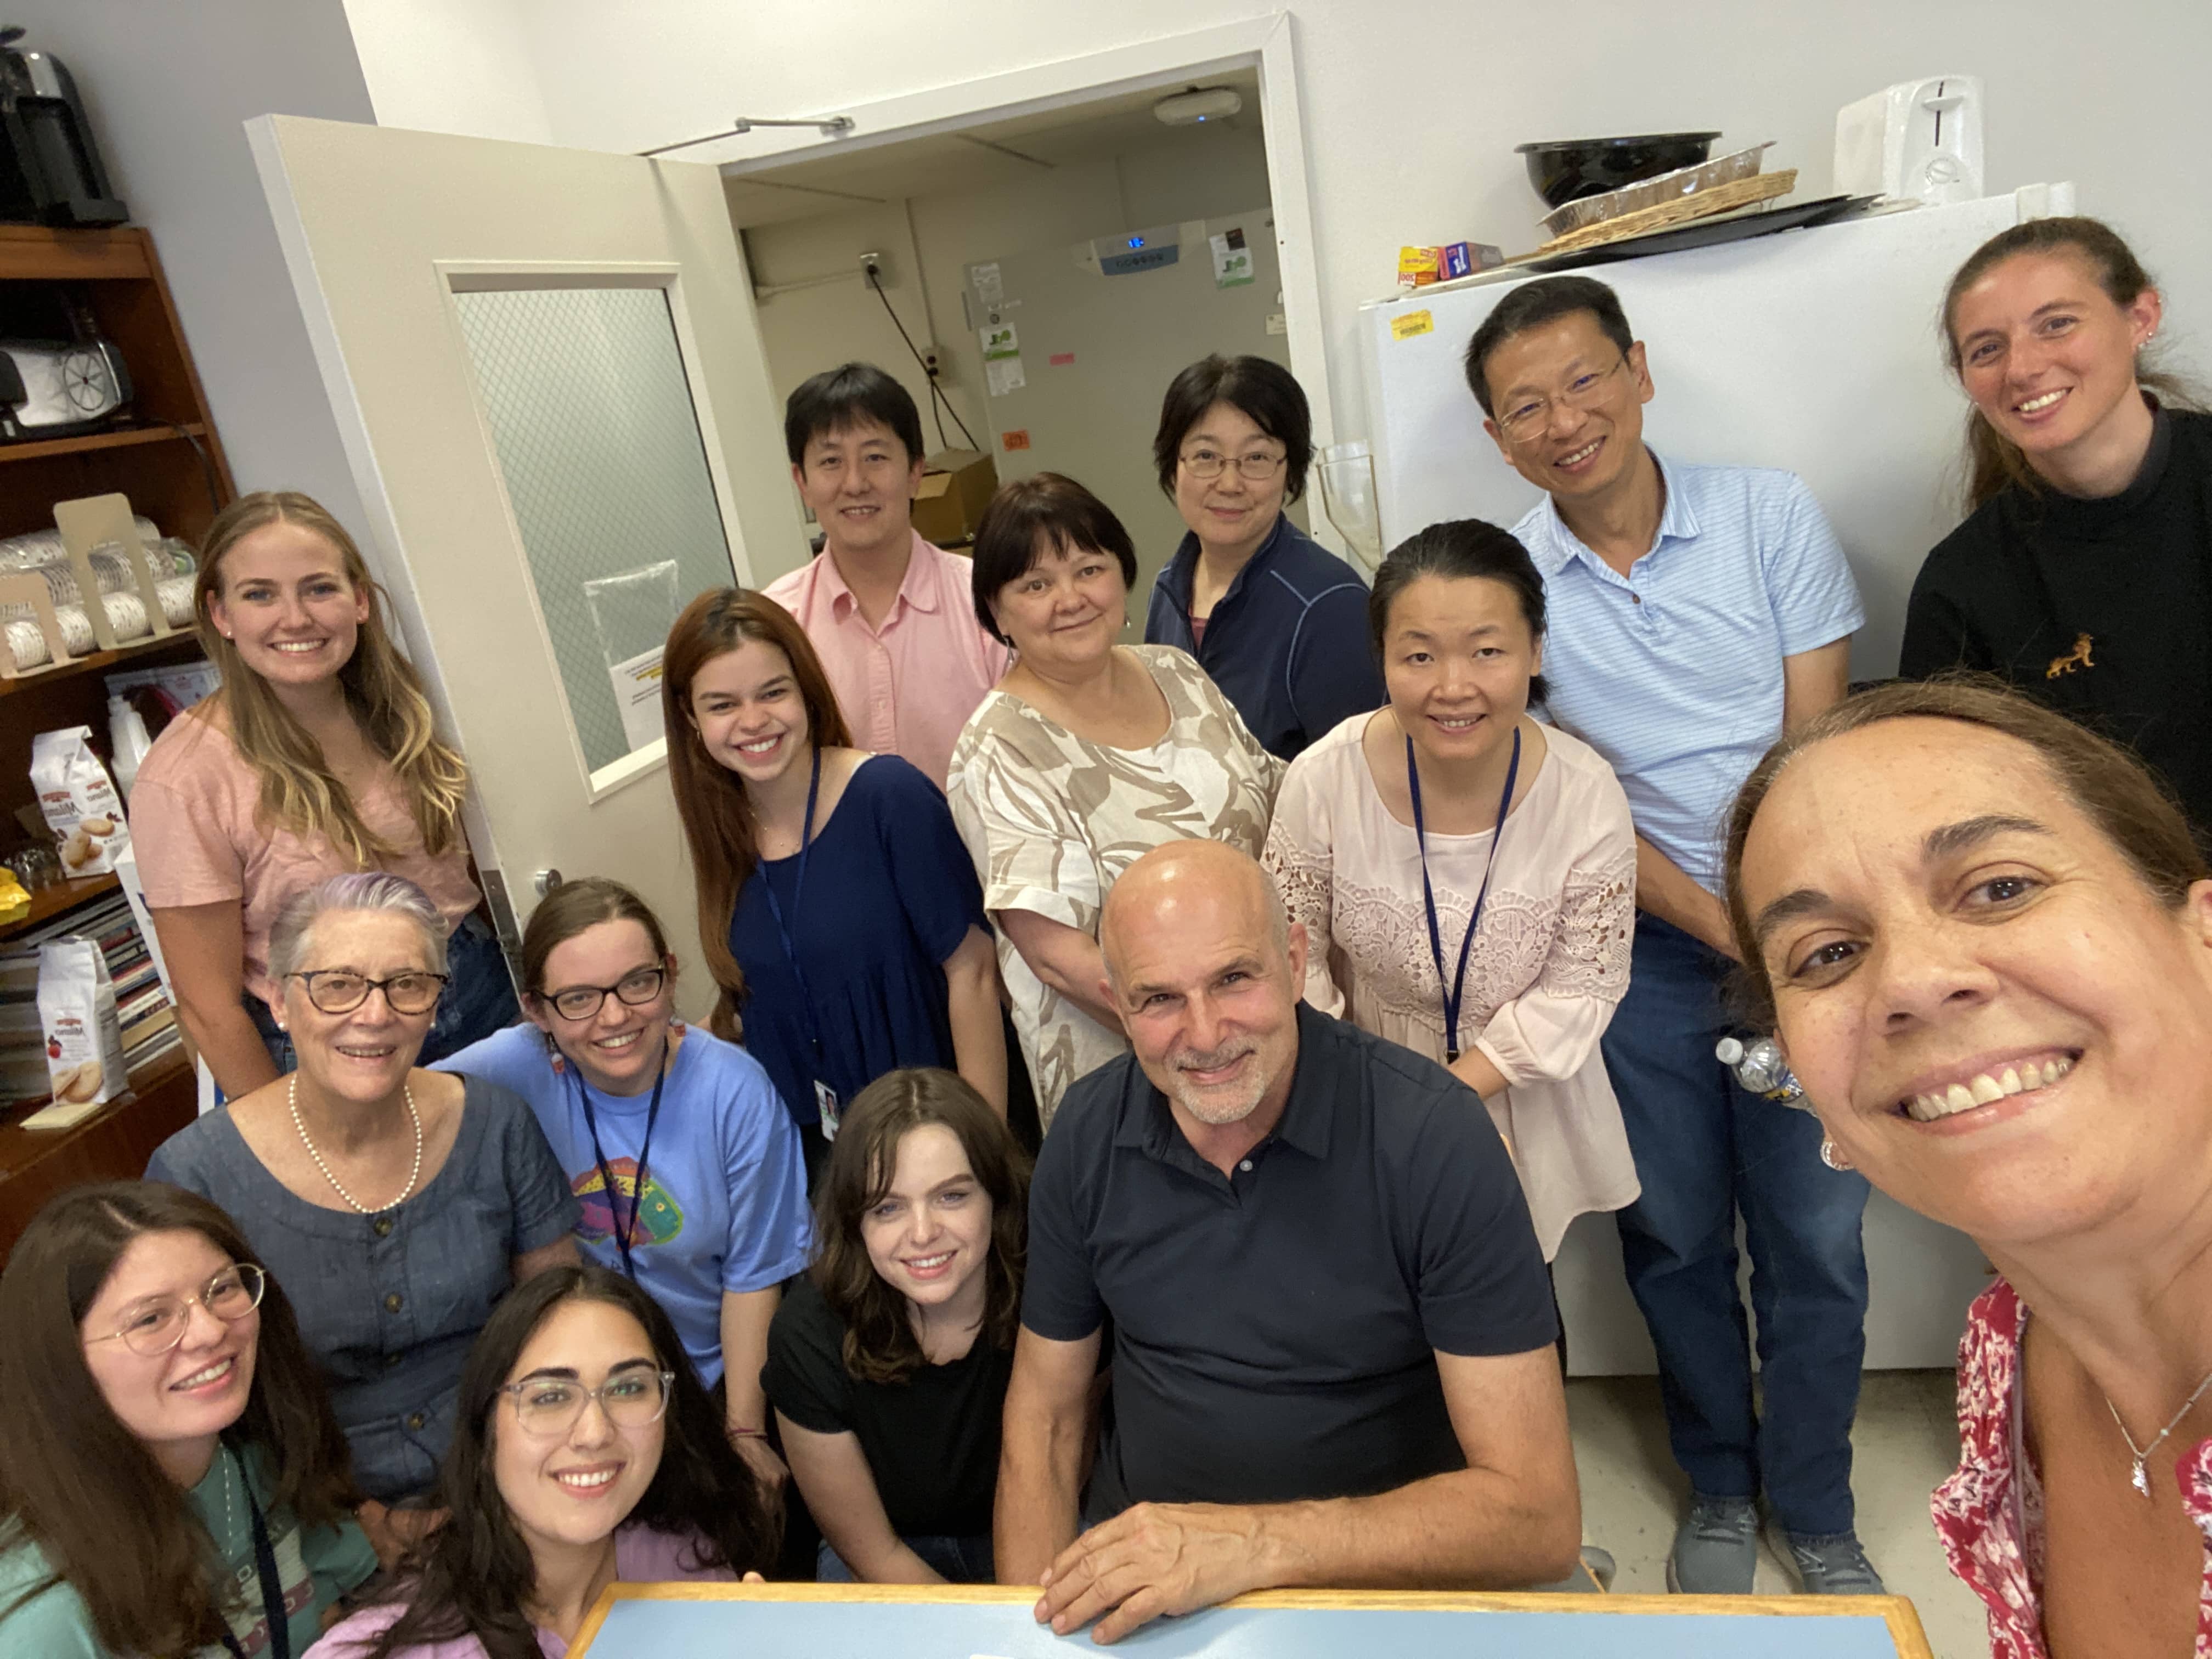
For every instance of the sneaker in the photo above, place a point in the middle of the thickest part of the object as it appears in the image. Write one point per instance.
(1833, 1565)
(1716, 1548)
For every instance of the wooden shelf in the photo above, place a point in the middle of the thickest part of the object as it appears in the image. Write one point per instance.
(121, 437)
(98, 659)
(112, 1144)
(49, 902)
(43, 253)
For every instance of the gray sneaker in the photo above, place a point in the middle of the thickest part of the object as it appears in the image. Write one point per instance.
(1833, 1565)
(1716, 1548)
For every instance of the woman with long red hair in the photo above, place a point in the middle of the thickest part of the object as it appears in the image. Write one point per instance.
(838, 909)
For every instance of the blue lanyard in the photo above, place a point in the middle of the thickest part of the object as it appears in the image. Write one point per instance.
(1452, 988)
(798, 894)
(275, 1617)
(623, 1229)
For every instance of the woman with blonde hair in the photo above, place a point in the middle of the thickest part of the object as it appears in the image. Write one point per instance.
(319, 757)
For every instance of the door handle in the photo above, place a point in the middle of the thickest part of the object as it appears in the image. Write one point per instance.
(545, 881)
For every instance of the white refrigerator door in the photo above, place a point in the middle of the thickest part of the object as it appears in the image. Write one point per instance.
(1816, 350)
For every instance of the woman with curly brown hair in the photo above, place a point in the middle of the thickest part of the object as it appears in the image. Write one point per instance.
(888, 1365)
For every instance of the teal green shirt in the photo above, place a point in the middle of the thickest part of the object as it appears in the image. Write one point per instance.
(317, 1566)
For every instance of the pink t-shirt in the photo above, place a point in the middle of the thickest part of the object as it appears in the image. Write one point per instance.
(194, 823)
(641, 1557)
(907, 688)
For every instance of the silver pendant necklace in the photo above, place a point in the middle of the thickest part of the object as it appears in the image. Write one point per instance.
(292, 1099)
(2136, 1477)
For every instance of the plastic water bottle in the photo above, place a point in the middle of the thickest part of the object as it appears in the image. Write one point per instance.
(1758, 1066)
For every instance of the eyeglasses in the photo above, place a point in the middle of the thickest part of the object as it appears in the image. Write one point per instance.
(155, 1327)
(1525, 419)
(548, 1406)
(340, 990)
(1206, 464)
(580, 1002)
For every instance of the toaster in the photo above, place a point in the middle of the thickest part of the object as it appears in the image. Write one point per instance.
(53, 389)
(1917, 140)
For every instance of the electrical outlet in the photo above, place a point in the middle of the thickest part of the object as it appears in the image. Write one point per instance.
(872, 266)
(932, 364)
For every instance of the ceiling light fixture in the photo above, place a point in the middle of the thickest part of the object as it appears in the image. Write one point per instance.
(1199, 105)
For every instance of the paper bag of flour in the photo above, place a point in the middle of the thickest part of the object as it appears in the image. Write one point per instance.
(76, 1009)
(79, 800)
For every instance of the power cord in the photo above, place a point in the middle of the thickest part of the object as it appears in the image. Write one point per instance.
(937, 398)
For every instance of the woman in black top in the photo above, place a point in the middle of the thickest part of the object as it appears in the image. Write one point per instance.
(2084, 575)
(887, 1365)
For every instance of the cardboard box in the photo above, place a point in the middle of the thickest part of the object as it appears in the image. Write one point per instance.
(956, 487)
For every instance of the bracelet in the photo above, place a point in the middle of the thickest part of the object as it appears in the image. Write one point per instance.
(759, 1433)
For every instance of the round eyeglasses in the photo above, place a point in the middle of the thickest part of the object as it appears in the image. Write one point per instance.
(1206, 464)
(1530, 415)
(580, 1002)
(548, 1406)
(158, 1324)
(340, 990)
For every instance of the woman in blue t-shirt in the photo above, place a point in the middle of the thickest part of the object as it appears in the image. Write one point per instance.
(686, 1164)
(173, 1479)
(840, 912)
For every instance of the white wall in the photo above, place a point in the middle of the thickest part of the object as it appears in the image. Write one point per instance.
(169, 87)
(451, 66)
(929, 240)
(1412, 108)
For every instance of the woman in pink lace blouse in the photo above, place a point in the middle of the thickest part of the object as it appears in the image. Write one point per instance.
(1466, 875)
(1984, 937)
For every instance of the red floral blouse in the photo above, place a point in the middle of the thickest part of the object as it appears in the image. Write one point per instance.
(1991, 1523)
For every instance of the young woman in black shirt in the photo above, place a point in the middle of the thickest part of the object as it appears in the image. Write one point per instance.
(2084, 573)
(888, 1365)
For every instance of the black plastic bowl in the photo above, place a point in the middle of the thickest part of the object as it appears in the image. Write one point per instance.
(1565, 170)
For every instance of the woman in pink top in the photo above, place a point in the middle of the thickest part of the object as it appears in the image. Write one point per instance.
(586, 1452)
(318, 756)
(1985, 937)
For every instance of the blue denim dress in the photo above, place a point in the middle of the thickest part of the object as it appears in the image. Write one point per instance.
(388, 1303)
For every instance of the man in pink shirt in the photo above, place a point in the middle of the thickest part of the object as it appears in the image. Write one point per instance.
(892, 617)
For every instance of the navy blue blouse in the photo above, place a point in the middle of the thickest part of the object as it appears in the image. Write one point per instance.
(891, 892)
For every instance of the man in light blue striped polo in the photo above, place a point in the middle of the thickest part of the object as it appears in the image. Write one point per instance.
(1696, 613)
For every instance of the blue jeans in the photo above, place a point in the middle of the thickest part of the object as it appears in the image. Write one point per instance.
(479, 999)
(962, 1560)
(1706, 1149)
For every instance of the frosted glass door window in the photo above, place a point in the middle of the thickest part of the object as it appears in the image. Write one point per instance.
(591, 416)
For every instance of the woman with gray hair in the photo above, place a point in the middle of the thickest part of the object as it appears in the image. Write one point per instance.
(395, 1204)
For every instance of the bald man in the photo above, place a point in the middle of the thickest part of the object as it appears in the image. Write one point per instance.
(1333, 1359)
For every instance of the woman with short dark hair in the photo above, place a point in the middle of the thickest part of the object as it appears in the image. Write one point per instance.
(1983, 937)
(1275, 618)
(888, 1364)
(172, 1471)
(1086, 755)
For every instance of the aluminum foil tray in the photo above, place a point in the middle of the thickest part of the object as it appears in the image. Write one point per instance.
(1631, 198)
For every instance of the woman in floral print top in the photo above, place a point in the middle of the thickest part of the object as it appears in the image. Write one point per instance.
(1984, 937)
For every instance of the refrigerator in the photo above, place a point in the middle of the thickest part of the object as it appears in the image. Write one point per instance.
(1818, 350)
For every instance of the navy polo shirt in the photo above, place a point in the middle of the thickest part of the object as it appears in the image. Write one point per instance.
(1287, 644)
(1275, 1331)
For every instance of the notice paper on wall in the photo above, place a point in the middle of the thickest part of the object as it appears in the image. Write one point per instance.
(1232, 260)
(998, 340)
(1004, 374)
(637, 695)
(989, 288)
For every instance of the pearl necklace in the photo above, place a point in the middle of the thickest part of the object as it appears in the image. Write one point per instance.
(292, 1100)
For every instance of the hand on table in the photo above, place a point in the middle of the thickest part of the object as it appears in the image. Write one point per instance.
(1152, 1560)
(767, 1468)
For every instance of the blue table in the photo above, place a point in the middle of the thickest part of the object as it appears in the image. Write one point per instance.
(884, 1621)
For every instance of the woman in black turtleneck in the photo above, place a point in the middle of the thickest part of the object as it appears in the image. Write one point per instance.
(2084, 575)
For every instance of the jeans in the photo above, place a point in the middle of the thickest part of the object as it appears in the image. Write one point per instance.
(1706, 1149)
(479, 999)
(961, 1560)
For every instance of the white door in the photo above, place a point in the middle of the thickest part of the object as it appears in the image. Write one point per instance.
(546, 369)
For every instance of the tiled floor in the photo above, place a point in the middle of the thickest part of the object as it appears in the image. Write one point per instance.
(1906, 1439)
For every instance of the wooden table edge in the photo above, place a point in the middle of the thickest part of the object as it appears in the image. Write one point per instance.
(1896, 1611)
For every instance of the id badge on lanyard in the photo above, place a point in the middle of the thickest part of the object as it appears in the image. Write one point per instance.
(826, 1106)
(825, 1103)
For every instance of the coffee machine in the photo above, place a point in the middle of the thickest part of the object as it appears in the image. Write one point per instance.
(50, 168)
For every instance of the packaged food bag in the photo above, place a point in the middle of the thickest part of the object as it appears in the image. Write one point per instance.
(76, 1010)
(79, 800)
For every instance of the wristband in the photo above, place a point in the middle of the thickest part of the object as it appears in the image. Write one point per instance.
(758, 1433)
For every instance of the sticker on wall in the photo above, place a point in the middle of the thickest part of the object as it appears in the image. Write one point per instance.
(1278, 323)
(1232, 260)
(998, 340)
(1004, 374)
(1412, 323)
(990, 288)
(1018, 439)
(1062, 359)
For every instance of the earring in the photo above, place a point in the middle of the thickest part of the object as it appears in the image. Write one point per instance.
(1834, 1159)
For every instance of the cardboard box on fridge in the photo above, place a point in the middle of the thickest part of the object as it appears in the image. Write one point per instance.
(955, 487)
